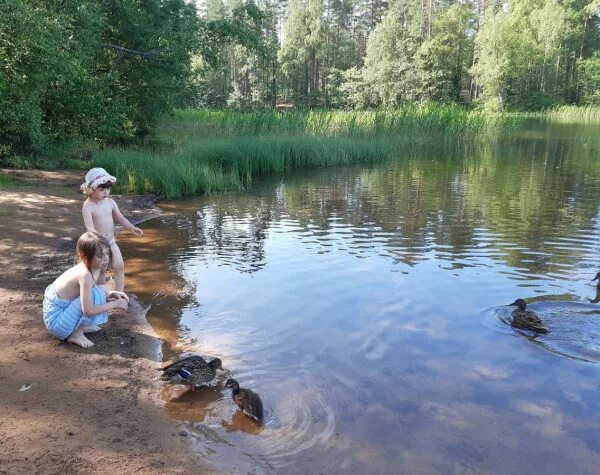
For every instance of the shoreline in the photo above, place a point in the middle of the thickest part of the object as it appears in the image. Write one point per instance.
(65, 409)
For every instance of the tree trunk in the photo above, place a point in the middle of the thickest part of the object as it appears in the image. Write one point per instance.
(306, 79)
(274, 86)
(585, 27)
(430, 15)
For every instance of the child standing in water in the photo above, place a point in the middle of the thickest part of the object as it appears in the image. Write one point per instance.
(74, 303)
(100, 213)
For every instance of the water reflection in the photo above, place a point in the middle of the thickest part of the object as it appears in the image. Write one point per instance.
(365, 306)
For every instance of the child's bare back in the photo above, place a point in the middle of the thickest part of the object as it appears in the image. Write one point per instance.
(75, 303)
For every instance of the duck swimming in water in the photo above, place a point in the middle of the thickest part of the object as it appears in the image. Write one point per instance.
(247, 400)
(526, 319)
(193, 370)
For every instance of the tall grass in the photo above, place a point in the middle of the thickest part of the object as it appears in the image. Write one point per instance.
(410, 119)
(233, 163)
(574, 113)
(206, 151)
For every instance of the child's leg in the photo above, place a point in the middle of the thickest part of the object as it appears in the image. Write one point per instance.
(119, 267)
(67, 324)
(79, 338)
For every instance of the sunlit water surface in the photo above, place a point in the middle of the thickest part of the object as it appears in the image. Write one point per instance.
(366, 306)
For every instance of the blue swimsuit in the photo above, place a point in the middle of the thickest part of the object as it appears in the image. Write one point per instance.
(63, 317)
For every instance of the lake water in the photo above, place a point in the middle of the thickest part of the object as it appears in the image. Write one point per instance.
(366, 306)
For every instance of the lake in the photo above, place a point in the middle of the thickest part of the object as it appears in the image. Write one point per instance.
(367, 307)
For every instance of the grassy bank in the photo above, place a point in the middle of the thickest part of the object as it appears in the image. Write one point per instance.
(221, 164)
(574, 113)
(409, 119)
(205, 151)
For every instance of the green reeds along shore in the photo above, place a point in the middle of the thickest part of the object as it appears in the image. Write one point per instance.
(207, 151)
(416, 119)
(574, 113)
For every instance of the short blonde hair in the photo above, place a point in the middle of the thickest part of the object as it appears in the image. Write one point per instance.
(89, 244)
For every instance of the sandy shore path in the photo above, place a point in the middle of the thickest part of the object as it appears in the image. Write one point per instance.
(85, 411)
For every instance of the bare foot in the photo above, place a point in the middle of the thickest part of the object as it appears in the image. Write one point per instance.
(89, 328)
(79, 338)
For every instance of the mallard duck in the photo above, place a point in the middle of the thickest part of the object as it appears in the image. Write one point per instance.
(247, 400)
(193, 370)
(526, 319)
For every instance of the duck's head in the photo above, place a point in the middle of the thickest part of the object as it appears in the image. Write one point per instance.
(215, 363)
(598, 279)
(519, 303)
(232, 384)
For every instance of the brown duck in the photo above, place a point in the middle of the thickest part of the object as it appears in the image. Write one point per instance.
(247, 400)
(193, 371)
(526, 319)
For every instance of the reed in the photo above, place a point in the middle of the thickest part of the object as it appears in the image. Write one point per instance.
(414, 119)
(232, 163)
(207, 151)
(574, 113)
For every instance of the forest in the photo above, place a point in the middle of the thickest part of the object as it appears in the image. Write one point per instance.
(107, 71)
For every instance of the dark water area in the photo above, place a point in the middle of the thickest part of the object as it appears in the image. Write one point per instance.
(367, 306)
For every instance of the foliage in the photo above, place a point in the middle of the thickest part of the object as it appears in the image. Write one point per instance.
(589, 80)
(106, 71)
(204, 151)
(236, 55)
(102, 71)
(525, 54)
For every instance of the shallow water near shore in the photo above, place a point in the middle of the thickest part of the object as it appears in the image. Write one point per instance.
(366, 306)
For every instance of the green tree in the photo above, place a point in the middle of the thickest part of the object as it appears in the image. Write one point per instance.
(443, 60)
(96, 70)
(390, 72)
(589, 80)
(301, 54)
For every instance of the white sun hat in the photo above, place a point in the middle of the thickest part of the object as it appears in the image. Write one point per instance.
(96, 177)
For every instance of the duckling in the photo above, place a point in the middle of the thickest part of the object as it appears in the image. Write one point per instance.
(193, 370)
(526, 319)
(247, 400)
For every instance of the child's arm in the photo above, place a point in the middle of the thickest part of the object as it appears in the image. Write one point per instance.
(114, 294)
(86, 282)
(123, 221)
(87, 217)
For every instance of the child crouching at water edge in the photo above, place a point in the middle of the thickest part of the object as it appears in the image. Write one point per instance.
(74, 303)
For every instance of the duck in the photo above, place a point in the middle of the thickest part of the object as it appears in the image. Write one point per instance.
(247, 400)
(192, 370)
(526, 319)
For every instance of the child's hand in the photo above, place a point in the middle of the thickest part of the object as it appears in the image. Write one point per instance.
(137, 232)
(114, 295)
(121, 303)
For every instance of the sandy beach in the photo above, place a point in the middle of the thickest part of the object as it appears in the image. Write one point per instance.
(64, 409)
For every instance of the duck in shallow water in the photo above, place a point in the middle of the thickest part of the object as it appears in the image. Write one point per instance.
(247, 400)
(526, 319)
(193, 371)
